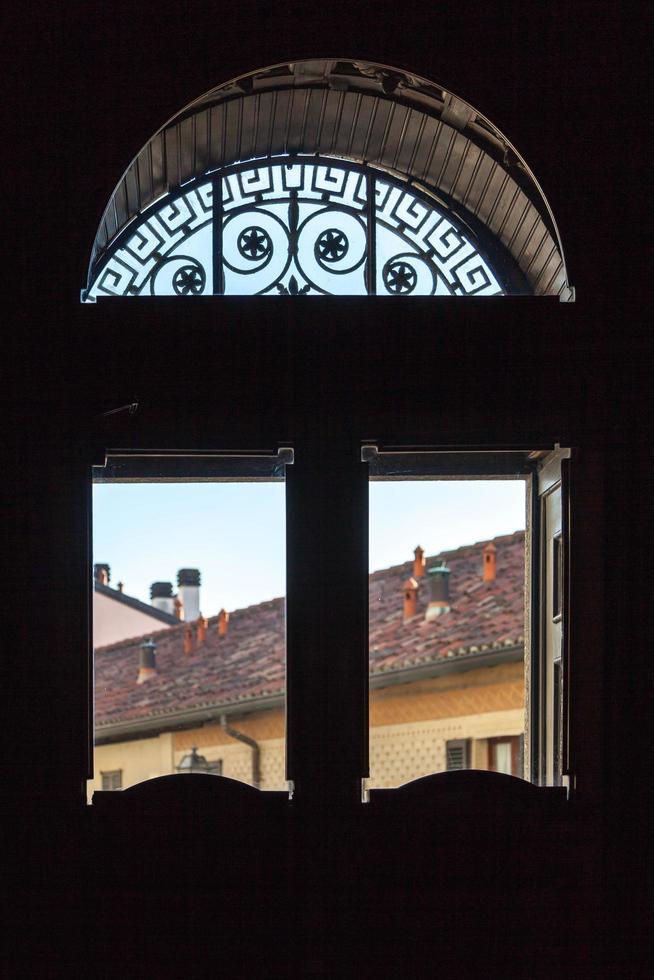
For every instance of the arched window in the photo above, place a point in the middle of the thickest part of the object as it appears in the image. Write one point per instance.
(324, 178)
(327, 177)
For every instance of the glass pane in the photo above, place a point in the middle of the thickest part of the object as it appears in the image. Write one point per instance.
(189, 623)
(446, 624)
(503, 757)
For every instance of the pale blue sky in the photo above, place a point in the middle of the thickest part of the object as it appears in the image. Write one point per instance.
(234, 532)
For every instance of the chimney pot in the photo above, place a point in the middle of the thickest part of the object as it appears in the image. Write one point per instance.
(201, 629)
(410, 589)
(102, 573)
(147, 661)
(178, 607)
(161, 596)
(439, 591)
(188, 583)
(418, 562)
(490, 562)
(223, 622)
(188, 640)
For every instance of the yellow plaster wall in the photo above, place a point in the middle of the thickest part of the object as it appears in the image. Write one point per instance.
(410, 724)
(399, 753)
(486, 689)
(266, 727)
(260, 725)
(141, 759)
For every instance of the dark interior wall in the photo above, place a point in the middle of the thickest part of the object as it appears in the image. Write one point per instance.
(87, 88)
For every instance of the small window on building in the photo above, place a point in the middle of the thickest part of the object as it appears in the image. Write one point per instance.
(112, 779)
(505, 754)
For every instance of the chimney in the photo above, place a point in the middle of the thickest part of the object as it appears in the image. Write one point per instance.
(147, 661)
(223, 622)
(188, 640)
(161, 596)
(410, 589)
(101, 574)
(439, 591)
(188, 584)
(202, 629)
(178, 607)
(419, 562)
(489, 559)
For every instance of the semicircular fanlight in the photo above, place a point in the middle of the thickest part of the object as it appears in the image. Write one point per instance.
(300, 227)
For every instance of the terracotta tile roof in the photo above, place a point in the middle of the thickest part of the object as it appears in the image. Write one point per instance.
(248, 663)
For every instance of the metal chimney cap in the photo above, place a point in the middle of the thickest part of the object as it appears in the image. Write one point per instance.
(188, 576)
(439, 569)
(161, 590)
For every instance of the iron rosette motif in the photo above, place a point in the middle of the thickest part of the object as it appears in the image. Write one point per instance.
(294, 229)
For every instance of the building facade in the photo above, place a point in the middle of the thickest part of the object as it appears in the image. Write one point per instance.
(447, 690)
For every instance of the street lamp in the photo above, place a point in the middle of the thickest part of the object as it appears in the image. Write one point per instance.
(193, 762)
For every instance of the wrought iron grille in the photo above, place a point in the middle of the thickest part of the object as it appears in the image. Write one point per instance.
(296, 226)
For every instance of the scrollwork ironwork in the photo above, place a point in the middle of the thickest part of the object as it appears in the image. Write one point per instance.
(297, 227)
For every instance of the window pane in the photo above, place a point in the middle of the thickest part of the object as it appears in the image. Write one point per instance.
(189, 629)
(503, 757)
(446, 625)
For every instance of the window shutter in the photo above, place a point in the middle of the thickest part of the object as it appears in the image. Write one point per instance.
(457, 752)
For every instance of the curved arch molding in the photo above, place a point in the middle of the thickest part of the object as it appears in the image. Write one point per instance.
(370, 114)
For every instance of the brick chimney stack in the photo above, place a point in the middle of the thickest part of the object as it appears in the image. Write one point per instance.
(439, 591)
(223, 622)
(419, 563)
(410, 589)
(489, 558)
(188, 585)
(147, 661)
(101, 574)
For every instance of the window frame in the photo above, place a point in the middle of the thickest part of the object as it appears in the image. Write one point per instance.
(109, 776)
(455, 461)
(538, 466)
(137, 465)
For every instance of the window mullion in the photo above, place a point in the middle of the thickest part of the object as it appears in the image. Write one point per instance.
(327, 716)
(371, 264)
(217, 233)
